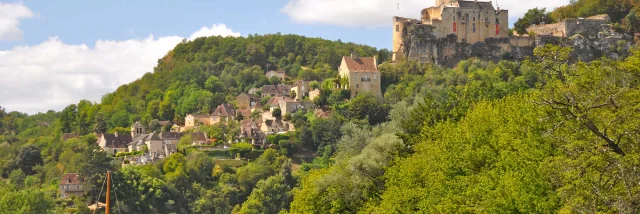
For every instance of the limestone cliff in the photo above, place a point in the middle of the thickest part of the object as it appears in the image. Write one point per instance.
(591, 42)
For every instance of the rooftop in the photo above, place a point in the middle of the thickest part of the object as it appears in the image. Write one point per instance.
(361, 64)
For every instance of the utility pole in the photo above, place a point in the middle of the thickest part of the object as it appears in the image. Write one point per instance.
(106, 210)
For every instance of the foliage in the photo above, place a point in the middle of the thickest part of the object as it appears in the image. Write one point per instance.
(534, 16)
(241, 148)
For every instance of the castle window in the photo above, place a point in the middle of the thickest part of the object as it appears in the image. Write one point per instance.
(397, 28)
(474, 19)
(497, 21)
(356, 85)
(474, 27)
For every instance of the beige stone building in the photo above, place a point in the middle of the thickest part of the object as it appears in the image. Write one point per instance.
(300, 89)
(362, 74)
(246, 101)
(223, 113)
(470, 21)
(71, 184)
(280, 74)
(194, 120)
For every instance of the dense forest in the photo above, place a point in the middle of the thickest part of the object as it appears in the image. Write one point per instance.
(537, 136)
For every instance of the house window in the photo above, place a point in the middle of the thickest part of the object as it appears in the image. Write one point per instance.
(397, 28)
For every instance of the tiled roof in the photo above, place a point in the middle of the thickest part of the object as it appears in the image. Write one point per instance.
(245, 112)
(276, 100)
(269, 89)
(120, 141)
(198, 136)
(164, 122)
(71, 178)
(153, 136)
(476, 5)
(199, 116)
(170, 135)
(137, 140)
(224, 110)
(360, 64)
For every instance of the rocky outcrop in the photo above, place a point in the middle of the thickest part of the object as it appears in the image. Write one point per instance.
(592, 43)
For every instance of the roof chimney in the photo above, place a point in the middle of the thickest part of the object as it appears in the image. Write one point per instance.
(354, 55)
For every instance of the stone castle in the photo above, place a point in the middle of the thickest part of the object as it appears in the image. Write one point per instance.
(454, 30)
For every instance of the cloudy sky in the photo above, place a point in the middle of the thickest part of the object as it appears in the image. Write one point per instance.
(55, 53)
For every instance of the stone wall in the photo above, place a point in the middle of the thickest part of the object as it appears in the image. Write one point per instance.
(556, 29)
(420, 44)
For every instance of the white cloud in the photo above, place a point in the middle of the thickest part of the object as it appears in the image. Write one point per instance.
(378, 13)
(10, 15)
(216, 29)
(53, 74)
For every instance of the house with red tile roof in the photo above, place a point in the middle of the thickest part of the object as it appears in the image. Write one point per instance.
(71, 184)
(362, 75)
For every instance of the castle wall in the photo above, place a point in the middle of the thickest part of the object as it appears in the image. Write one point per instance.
(399, 25)
(423, 46)
(556, 29)
(569, 27)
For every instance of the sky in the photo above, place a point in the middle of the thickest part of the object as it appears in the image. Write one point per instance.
(56, 53)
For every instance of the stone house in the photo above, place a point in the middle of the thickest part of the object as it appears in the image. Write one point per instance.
(250, 133)
(195, 120)
(362, 74)
(114, 143)
(470, 21)
(223, 113)
(170, 142)
(199, 138)
(280, 74)
(275, 90)
(275, 126)
(71, 184)
(246, 101)
(301, 89)
(137, 143)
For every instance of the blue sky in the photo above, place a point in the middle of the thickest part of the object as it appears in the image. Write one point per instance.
(84, 22)
(55, 53)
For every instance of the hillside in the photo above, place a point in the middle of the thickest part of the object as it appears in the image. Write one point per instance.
(537, 136)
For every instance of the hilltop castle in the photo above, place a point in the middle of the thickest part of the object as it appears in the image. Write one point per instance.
(454, 30)
(470, 21)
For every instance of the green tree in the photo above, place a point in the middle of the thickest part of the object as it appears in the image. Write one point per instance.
(26, 201)
(368, 106)
(68, 118)
(100, 124)
(27, 158)
(534, 16)
(241, 148)
(270, 196)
